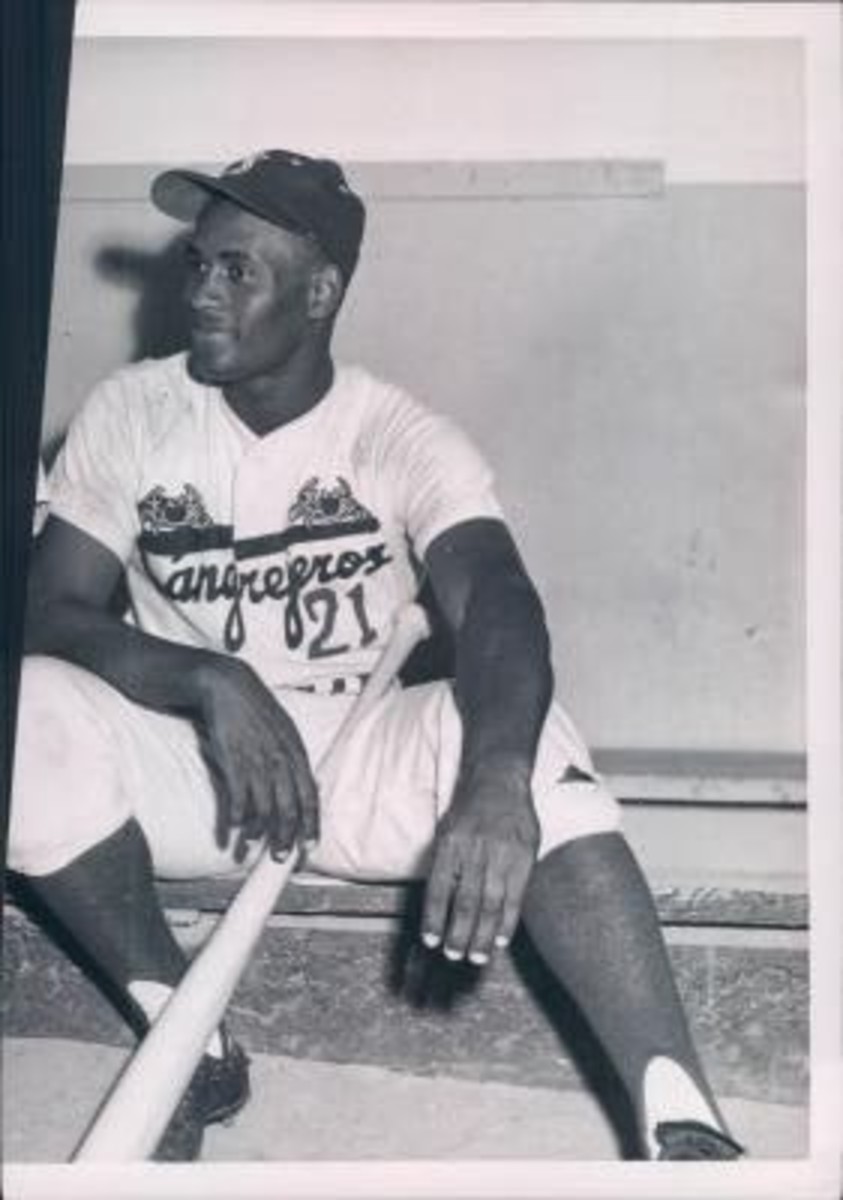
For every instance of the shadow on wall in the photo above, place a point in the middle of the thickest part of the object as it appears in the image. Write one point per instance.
(160, 319)
(159, 325)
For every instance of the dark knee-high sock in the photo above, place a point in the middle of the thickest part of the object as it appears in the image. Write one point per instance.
(106, 900)
(591, 916)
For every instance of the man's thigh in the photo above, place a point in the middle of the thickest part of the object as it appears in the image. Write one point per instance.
(378, 819)
(398, 775)
(87, 760)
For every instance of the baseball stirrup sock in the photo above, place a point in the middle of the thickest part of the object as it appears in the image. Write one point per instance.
(151, 996)
(670, 1094)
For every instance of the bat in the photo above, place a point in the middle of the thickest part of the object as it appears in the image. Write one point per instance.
(134, 1115)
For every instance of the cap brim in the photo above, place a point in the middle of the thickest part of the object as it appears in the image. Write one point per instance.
(183, 194)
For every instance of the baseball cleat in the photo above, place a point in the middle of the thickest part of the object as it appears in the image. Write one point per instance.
(217, 1091)
(691, 1140)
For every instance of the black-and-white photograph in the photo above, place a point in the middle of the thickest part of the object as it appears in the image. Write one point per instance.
(422, 764)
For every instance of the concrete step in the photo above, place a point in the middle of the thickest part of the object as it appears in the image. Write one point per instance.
(305, 1110)
(359, 989)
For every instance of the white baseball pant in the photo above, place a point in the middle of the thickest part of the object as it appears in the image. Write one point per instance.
(87, 759)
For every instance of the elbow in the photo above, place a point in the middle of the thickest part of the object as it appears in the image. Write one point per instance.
(529, 614)
(545, 655)
(45, 620)
(508, 612)
(36, 636)
(527, 602)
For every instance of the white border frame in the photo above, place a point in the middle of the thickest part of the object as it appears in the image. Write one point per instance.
(818, 25)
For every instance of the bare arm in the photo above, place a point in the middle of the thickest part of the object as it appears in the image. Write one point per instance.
(72, 582)
(487, 842)
(249, 738)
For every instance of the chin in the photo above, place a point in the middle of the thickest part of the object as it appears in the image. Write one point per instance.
(205, 370)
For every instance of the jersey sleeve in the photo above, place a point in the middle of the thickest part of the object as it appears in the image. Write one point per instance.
(93, 482)
(439, 477)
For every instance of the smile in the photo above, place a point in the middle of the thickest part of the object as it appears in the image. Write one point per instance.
(208, 325)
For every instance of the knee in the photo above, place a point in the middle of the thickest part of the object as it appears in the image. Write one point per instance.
(572, 801)
(65, 795)
(570, 811)
(47, 705)
(62, 717)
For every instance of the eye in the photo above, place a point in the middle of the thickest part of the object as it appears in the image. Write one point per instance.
(195, 264)
(235, 272)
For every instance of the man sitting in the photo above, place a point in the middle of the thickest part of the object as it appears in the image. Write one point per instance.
(271, 511)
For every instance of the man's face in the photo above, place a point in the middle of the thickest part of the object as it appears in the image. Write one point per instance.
(248, 288)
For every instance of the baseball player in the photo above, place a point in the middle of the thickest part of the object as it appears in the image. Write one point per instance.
(271, 511)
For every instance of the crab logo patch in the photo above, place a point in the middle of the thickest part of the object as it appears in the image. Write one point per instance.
(318, 505)
(160, 513)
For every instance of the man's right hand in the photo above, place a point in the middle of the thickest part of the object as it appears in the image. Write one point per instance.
(267, 788)
(265, 785)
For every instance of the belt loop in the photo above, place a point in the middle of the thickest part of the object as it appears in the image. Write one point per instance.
(340, 685)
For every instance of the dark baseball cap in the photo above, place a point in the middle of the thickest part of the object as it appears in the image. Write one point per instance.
(309, 196)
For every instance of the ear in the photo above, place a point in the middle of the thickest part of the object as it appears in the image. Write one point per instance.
(326, 291)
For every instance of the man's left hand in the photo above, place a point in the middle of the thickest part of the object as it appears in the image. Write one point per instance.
(485, 848)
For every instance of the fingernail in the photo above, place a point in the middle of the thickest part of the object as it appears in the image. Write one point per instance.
(431, 940)
(478, 958)
(501, 942)
(453, 955)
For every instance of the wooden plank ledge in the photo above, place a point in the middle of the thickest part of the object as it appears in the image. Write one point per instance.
(769, 904)
(731, 778)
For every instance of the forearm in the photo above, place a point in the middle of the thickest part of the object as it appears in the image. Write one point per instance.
(149, 670)
(504, 680)
(266, 787)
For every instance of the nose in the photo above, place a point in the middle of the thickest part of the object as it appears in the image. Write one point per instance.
(205, 289)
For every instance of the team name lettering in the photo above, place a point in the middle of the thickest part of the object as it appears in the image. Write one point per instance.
(210, 583)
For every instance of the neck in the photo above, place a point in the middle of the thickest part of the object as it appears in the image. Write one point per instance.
(271, 401)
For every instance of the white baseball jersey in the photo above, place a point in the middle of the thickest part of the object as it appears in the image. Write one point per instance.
(293, 550)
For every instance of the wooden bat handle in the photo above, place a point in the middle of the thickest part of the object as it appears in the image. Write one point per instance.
(135, 1114)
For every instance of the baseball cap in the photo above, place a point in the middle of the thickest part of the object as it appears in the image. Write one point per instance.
(305, 195)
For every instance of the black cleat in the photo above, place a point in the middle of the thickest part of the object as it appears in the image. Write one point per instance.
(218, 1090)
(691, 1140)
